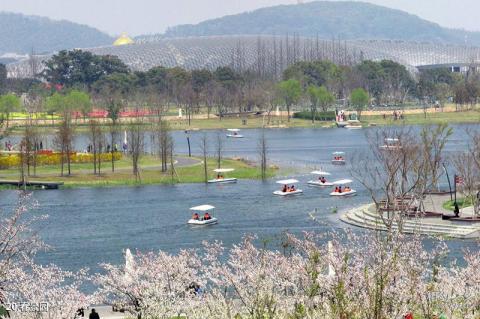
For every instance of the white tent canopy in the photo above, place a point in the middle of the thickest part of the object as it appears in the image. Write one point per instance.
(321, 173)
(288, 181)
(233, 130)
(343, 182)
(223, 170)
(202, 208)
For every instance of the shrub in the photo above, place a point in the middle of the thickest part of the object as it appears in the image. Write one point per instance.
(319, 116)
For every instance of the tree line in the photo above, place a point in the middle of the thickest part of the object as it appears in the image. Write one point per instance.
(312, 85)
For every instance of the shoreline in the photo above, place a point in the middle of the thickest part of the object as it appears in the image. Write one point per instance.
(190, 172)
(367, 120)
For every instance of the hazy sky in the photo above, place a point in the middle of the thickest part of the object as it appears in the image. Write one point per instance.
(154, 16)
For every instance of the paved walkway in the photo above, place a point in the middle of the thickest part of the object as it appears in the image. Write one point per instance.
(106, 312)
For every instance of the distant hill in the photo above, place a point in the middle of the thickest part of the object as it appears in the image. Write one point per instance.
(20, 34)
(344, 20)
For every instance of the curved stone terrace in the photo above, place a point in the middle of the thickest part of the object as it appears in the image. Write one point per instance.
(367, 217)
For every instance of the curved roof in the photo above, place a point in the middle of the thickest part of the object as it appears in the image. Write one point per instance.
(272, 54)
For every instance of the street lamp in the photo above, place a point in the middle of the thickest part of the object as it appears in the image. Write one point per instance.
(187, 133)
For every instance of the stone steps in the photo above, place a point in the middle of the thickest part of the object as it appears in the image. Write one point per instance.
(365, 218)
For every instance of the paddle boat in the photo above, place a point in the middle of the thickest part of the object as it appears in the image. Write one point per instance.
(338, 158)
(288, 188)
(321, 181)
(391, 144)
(346, 191)
(234, 133)
(353, 125)
(202, 216)
(220, 179)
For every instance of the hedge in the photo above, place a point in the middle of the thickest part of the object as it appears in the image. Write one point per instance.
(13, 160)
(319, 116)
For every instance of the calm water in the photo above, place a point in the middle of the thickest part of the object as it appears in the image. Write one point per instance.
(90, 226)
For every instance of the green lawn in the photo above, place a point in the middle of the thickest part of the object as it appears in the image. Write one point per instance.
(82, 174)
(462, 203)
(432, 118)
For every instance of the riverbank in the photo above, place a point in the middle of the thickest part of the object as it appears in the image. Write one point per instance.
(187, 170)
(462, 117)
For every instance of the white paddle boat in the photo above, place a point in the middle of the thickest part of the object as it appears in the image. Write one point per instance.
(347, 191)
(321, 181)
(234, 133)
(391, 144)
(287, 189)
(202, 216)
(220, 179)
(338, 158)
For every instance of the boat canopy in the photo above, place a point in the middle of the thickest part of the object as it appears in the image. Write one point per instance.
(392, 140)
(339, 153)
(343, 182)
(202, 208)
(223, 170)
(288, 181)
(321, 173)
(233, 130)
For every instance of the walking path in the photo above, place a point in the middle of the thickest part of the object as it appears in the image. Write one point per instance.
(105, 312)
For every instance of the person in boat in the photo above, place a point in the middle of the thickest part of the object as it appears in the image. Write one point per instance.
(285, 189)
(292, 189)
(195, 216)
(207, 216)
(336, 189)
(323, 180)
(340, 189)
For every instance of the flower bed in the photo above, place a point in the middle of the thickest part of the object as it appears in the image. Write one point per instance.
(51, 158)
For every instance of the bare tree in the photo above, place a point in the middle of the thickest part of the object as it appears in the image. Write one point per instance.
(263, 150)
(466, 167)
(434, 139)
(136, 145)
(63, 140)
(394, 176)
(204, 148)
(219, 149)
(24, 154)
(97, 140)
(164, 141)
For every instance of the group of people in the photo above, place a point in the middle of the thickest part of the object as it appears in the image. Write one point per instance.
(287, 189)
(322, 180)
(219, 176)
(338, 158)
(206, 216)
(338, 189)
(397, 115)
(109, 148)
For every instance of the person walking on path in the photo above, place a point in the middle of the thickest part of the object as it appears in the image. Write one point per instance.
(94, 315)
(456, 210)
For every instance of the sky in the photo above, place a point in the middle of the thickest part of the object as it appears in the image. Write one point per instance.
(137, 17)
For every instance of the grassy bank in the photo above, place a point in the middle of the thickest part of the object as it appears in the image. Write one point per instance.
(420, 119)
(462, 203)
(193, 172)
